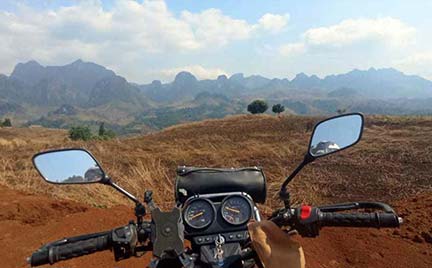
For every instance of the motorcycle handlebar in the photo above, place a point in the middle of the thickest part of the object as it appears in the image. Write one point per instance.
(308, 221)
(377, 220)
(125, 236)
(67, 250)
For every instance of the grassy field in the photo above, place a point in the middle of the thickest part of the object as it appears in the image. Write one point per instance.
(392, 161)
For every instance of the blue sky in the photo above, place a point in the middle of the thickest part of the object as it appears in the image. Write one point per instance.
(154, 39)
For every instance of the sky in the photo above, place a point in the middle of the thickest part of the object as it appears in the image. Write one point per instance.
(155, 39)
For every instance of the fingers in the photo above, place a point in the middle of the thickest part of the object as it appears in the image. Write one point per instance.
(274, 247)
(273, 233)
(259, 240)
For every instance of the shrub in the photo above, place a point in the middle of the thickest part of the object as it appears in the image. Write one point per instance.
(341, 111)
(278, 108)
(102, 130)
(80, 133)
(6, 123)
(257, 107)
(105, 134)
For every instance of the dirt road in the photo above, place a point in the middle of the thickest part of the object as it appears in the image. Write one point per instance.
(27, 221)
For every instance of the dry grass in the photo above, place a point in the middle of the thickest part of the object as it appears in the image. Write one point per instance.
(392, 161)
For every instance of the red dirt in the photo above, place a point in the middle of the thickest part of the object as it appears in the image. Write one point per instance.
(27, 221)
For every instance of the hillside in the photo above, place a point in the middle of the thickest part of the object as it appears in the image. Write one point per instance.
(398, 146)
(392, 163)
(34, 94)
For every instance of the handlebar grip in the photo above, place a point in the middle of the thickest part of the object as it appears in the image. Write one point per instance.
(39, 257)
(376, 220)
(69, 250)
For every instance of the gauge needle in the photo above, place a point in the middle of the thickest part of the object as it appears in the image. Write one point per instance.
(197, 215)
(233, 210)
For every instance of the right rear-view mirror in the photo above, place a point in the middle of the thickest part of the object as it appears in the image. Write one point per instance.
(329, 136)
(336, 134)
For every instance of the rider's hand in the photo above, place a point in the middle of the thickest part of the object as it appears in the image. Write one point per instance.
(274, 247)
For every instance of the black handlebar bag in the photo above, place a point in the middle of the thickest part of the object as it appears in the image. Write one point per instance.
(192, 181)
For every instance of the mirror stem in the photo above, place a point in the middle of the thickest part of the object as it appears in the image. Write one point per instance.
(109, 182)
(283, 194)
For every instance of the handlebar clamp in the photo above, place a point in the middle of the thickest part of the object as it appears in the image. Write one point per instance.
(124, 240)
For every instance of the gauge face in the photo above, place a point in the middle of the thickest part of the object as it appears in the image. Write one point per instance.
(199, 214)
(236, 210)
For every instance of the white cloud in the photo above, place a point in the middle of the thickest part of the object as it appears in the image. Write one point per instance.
(197, 70)
(121, 35)
(273, 23)
(388, 31)
(212, 27)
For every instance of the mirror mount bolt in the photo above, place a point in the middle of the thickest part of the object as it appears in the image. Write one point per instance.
(148, 199)
(148, 196)
(285, 196)
(140, 212)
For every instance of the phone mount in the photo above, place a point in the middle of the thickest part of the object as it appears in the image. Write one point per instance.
(167, 234)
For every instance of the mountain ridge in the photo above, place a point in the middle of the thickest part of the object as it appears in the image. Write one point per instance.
(35, 94)
(77, 74)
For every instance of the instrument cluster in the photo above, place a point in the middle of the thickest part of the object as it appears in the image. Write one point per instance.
(234, 210)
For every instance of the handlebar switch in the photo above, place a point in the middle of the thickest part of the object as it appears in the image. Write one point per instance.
(307, 223)
(124, 240)
(305, 212)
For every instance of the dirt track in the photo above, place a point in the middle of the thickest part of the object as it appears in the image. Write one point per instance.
(27, 221)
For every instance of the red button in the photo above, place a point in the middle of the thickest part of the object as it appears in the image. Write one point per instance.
(305, 212)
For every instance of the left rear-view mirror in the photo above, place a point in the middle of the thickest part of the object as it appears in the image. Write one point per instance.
(68, 166)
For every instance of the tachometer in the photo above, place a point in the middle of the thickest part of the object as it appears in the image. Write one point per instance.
(236, 210)
(199, 214)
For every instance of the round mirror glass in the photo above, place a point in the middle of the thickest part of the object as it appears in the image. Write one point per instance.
(336, 134)
(68, 167)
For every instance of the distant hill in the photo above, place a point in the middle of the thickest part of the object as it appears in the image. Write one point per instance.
(372, 83)
(88, 93)
(39, 92)
(80, 83)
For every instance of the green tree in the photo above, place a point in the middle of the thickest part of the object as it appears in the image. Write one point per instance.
(341, 111)
(80, 133)
(7, 123)
(105, 134)
(102, 130)
(257, 107)
(278, 108)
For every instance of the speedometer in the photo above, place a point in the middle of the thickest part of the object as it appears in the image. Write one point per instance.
(199, 214)
(236, 210)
